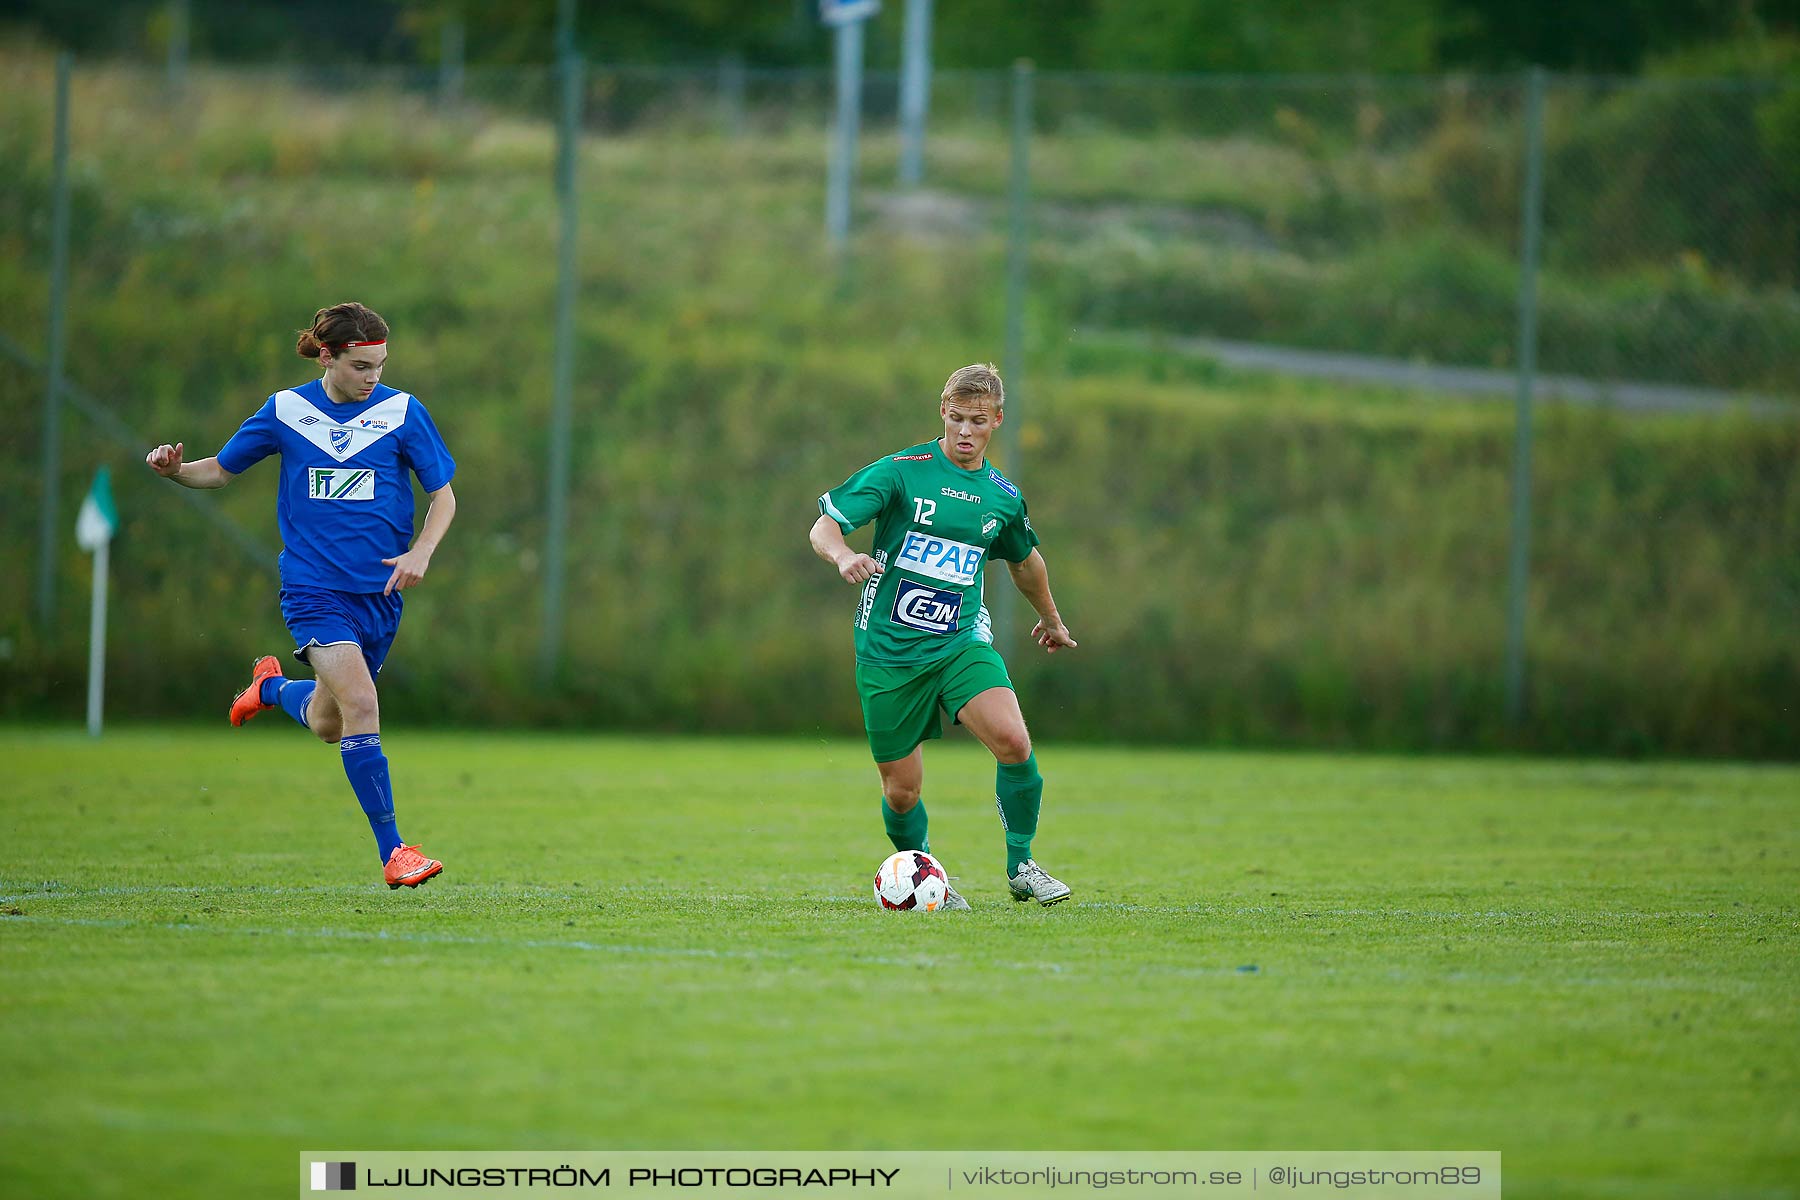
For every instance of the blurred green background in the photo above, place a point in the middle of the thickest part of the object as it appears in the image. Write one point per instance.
(1261, 407)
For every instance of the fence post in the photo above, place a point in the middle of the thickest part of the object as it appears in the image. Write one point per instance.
(451, 41)
(1018, 256)
(915, 91)
(1531, 219)
(732, 86)
(53, 376)
(849, 114)
(179, 32)
(557, 526)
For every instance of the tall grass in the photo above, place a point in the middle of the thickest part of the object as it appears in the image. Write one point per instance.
(1243, 559)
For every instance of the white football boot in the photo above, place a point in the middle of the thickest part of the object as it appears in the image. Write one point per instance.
(1034, 883)
(953, 901)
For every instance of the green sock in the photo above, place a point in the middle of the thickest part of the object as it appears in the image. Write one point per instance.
(906, 830)
(1018, 791)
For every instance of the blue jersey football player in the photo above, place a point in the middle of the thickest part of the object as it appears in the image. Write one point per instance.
(344, 502)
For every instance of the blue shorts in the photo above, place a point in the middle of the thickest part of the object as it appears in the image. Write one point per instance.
(317, 617)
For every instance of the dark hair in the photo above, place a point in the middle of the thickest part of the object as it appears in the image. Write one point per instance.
(346, 322)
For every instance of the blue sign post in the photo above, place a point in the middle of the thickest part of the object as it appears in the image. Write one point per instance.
(847, 16)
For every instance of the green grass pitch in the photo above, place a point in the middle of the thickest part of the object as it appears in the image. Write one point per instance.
(1593, 968)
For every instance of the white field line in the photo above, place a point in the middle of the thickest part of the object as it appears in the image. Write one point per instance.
(476, 891)
(409, 938)
(1398, 974)
(60, 1120)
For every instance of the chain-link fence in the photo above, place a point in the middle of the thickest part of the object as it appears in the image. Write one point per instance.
(1264, 406)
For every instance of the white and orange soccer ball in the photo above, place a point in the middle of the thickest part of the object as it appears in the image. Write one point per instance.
(911, 880)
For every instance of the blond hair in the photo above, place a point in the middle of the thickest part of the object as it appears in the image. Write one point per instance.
(975, 382)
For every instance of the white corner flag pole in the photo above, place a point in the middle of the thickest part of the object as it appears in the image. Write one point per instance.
(94, 530)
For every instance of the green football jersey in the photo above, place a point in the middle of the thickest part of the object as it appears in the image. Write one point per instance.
(935, 525)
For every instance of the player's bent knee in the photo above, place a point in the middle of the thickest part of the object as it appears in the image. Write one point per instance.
(900, 798)
(1013, 748)
(361, 712)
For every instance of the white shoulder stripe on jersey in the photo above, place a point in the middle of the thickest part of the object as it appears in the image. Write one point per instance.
(831, 510)
(344, 439)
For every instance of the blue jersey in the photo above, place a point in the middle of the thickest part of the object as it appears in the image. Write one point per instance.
(345, 501)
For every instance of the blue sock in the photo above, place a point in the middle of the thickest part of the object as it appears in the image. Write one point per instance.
(292, 695)
(367, 768)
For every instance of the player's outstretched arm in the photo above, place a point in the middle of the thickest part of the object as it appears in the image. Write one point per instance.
(165, 460)
(1032, 578)
(829, 544)
(410, 567)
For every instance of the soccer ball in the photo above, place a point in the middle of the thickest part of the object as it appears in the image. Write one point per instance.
(911, 879)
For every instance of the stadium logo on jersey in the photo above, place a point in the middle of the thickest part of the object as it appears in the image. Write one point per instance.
(933, 610)
(338, 483)
(912, 458)
(1005, 484)
(340, 440)
(940, 558)
(990, 525)
(955, 494)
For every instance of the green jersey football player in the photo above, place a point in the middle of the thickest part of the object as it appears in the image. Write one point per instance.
(923, 638)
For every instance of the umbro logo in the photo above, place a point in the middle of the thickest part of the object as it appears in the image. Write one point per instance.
(309, 420)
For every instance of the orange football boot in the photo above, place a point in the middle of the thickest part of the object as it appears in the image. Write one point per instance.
(249, 701)
(406, 867)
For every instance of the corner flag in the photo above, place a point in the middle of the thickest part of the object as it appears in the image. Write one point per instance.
(94, 530)
(98, 517)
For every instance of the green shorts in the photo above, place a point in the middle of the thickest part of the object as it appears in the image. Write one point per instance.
(900, 704)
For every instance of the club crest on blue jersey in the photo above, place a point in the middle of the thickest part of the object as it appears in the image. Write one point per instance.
(340, 440)
(940, 558)
(933, 610)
